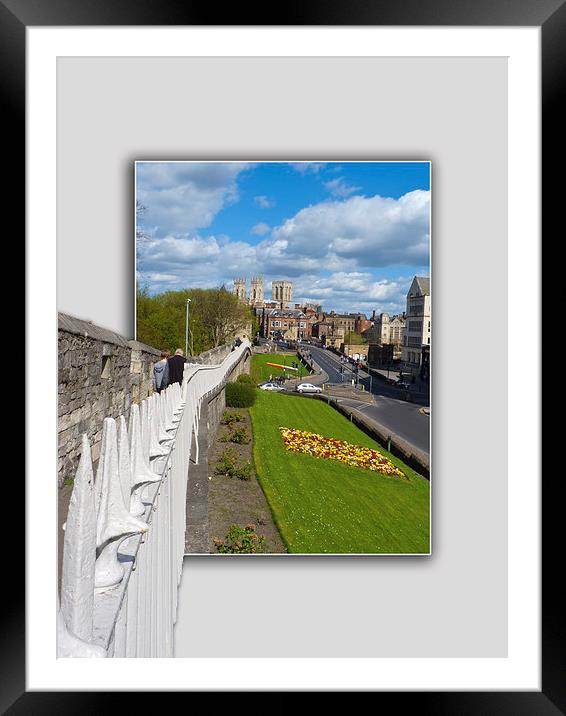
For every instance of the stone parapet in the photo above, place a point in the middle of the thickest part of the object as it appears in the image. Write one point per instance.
(100, 374)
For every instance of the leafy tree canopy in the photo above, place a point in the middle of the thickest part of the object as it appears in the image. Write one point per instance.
(354, 339)
(216, 316)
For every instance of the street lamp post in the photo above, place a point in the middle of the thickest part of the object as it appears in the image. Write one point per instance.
(187, 329)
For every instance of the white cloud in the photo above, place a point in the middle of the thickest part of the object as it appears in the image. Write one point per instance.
(339, 187)
(264, 202)
(175, 250)
(183, 196)
(354, 291)
(203, 262)
(196, 261)
(372, 231)
(161, 277)
(260, 229)
(308, 167)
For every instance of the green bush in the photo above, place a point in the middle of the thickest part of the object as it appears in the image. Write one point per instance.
(245, 378)
(245, 472)
(240, 395)
(240, 436)
(228, 464)
(241, 540)
(229, 418)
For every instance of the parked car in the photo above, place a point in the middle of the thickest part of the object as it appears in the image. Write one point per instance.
(270, 386)
(308, 388)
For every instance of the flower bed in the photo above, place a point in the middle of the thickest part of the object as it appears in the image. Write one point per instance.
(332, 449)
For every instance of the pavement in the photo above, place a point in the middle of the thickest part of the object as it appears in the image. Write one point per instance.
(346, 390)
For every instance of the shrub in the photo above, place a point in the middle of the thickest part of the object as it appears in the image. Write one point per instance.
(245, 472)
(246, 378)
(229, 418)
(240, 395)
(240, 436)
(241, 540)
(228, 464)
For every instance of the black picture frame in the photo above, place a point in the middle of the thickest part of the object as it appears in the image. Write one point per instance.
(550, 15)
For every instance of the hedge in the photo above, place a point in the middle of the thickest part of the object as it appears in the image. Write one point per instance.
(246, 378)
(240, 395)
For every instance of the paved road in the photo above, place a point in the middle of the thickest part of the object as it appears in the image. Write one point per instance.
(389, 410)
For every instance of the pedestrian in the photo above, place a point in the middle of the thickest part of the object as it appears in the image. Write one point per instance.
(176, 365)
(161, 373)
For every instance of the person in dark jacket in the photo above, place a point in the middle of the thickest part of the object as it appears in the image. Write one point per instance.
(161, 373)
(176, 367)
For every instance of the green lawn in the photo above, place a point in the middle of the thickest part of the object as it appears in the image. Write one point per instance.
(261, 372)
(323, 506)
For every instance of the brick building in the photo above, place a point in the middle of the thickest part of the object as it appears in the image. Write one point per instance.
(290, 324)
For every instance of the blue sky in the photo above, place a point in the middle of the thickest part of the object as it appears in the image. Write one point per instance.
(350, 235)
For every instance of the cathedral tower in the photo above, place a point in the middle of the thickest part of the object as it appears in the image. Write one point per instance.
(256, 291)
(240, 288)
(282, 292)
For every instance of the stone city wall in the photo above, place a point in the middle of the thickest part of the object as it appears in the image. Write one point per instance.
(196, 535)
(212, 357)
(100, 374)
(217, 402)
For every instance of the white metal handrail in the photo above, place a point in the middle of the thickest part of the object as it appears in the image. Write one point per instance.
(125, 531)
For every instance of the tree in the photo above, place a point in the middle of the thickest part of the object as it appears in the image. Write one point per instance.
(140, 211)
(216, 316)
(142, 237)
(354, 339)
(224, 316)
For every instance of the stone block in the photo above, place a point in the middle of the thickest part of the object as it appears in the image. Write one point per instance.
(64, 436)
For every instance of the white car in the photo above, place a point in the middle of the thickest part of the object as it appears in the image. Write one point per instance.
(271, 386)
(308, 388)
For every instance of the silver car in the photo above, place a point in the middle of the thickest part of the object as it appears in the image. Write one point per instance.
(271, 386)
(308, 388)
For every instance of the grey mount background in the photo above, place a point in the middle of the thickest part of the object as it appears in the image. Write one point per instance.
(452, 111)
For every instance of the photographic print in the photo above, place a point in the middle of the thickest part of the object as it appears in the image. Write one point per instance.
(316, 274)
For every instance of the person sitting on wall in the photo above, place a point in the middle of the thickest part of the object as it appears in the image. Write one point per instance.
(161, 373)
(176, 366)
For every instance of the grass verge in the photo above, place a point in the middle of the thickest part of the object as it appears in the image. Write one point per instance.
(260, 371)
(322, 506)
